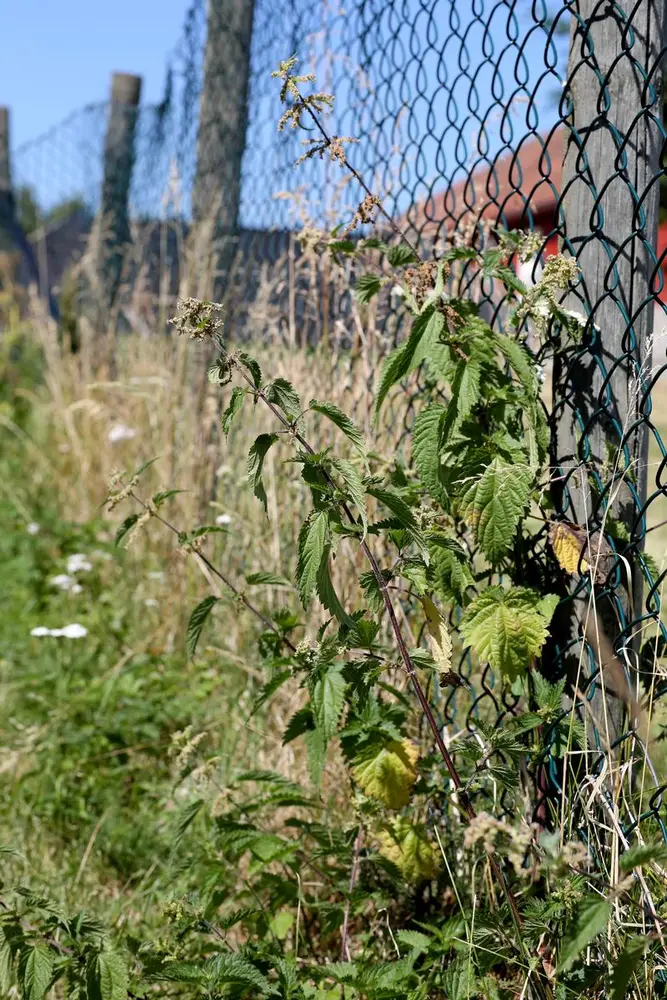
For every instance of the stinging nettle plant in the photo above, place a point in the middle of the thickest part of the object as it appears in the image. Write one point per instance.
(455, 538)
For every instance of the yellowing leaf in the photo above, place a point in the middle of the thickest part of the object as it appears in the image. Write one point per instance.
(388, 772)
(441, 641)
(568, 545)
(409, 848)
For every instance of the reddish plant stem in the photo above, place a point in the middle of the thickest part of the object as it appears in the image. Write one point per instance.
(403, 649)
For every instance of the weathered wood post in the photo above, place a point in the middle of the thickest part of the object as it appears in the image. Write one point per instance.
(117, 177)
(221, 141)
(609, 211)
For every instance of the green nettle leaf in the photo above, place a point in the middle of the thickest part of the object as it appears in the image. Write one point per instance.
(327, 701)
(107, 977)
(426, 450)
(232, 969)
(396, 505)
(256, 457)
(591, 918)
(505, 628)
(367, 287)
(312, 543)
(459, 979)
(282, 393)
(6, 962)
(404, 359)
(233, 407)
(354, 486)
(316, 749)
(387, 772)
(449, 569)
(248, 362)
(35, 970)
(342, 422)
(415, 940)
(196, 623)
(400, 255)
(264, 578)
(126, 526)
(520, 361)
(327, 594)
(495, 503)
(643, 854)
(626, 963)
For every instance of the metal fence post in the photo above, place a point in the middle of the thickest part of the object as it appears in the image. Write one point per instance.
(609, 213)
(117, 178)
(222, 136)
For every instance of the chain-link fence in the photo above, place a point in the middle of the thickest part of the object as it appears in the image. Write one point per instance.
(469, 115)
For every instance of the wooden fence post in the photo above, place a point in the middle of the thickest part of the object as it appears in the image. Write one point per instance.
(609, 209)
(117, 177)
(221, 140)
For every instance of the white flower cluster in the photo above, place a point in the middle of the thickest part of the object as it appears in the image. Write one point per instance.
(77, 563)
(120, 432)
(73, 631)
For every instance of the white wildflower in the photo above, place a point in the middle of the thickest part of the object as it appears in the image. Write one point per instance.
(33, 528)
(150, 602)
(73, 631)
(78, 563)
(120, 432)
(223, 519)
(155, 575)
(76, 589)
(62, 581)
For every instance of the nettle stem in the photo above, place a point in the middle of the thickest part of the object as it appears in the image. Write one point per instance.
(238, 594)
(400, 642)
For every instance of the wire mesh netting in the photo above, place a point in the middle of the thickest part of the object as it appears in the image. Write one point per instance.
(469, 116)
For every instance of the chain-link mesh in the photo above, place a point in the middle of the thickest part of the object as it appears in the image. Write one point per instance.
(469, 115)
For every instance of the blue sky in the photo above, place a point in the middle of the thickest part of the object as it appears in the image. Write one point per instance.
(59, 54)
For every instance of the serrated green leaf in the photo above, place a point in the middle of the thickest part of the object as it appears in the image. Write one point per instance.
(231, 969)
(400, 255)
(495, 503)
(312, 544)
(327, 594)
(354, 485)
(249, 362)
(327, 701)
(367, 286)
(449, 569)
(185, 820)
(426, 450)
(126, 526)
(6, 962)
(196, 623)
(107, 977)
(520, 361)
(459, 979)
(643, 854)
(316, 751)
(256, 457)
(233, 407)
(282, 393)
(415, 940)
(342, 422)
(264, 578)
(401, 362)
(505, 629)
(589, 920)
(35, 970)
(163, 495)
(181, 972)
(625, 965)
(397, 505)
